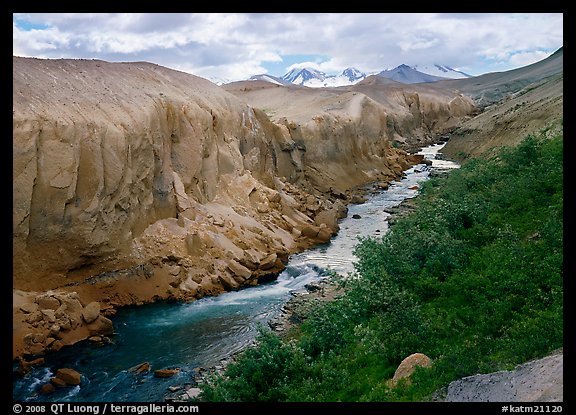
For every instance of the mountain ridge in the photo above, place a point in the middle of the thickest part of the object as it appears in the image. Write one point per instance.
(313, 78)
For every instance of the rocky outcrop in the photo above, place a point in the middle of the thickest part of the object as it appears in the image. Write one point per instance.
(540, 380)
(346, 128)
(52, 319)
(134, 183)
(64, 377)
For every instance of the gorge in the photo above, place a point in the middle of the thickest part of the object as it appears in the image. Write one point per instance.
(135, 184)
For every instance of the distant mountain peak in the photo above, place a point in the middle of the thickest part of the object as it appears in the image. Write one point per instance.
(317, 79)
(306, 76)
(299, 76)
(408, 75)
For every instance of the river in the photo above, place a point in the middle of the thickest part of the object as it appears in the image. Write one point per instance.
(206, 331)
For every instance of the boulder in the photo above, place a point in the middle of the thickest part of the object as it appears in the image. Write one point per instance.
(101, 326)
(324, 235)
(166, 373)
(91, 312)
(36, 348)
(239, 270)
(29, 308)
(72, 304)
(48, 315)
(173, 270)
(540, 380)
(47, 388)
(309, 231)
(56, 345)
(69, 376)
(25, 366)
(268, 262)
(46, 301)
(59, 383)
(228, 282)
(192, 393)
(39, 337)
(251, 259)
(141, 368)
(34, 317)
(409, 365)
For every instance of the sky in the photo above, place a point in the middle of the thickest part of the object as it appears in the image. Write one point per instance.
(228, 47)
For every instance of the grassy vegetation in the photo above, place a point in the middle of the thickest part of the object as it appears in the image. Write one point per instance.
(473, 279)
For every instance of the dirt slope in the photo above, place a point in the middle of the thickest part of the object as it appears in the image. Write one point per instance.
(492, 87)
(537, 107)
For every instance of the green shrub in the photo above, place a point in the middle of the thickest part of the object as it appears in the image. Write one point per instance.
(473, 278)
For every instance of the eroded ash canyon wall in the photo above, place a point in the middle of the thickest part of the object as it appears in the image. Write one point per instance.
(134, 183)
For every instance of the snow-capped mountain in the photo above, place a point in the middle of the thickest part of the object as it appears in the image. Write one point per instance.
(353, 75)
(441, 70)
(407, 75)
(218, 81)
(403, 73)
(316, 79)
(269, 78)
(300, 76)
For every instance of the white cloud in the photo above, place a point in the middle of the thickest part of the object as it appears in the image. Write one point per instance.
(527, 58)
(38, 42)
(237, 45)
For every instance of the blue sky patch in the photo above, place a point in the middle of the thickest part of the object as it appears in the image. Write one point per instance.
(28, 26)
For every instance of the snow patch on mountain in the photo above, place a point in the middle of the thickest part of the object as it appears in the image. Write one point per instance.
(316, 79)
(268, 78)
(408, 75)
(441, 70)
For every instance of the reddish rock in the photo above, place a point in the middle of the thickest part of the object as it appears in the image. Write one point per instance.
(141, 368)
(57, 345)
(166, 373)
(47, 388)
(25, 366)
(59, 383)
(36, 348)
(69, 376)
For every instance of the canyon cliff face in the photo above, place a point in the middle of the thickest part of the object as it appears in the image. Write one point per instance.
(134, 183)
